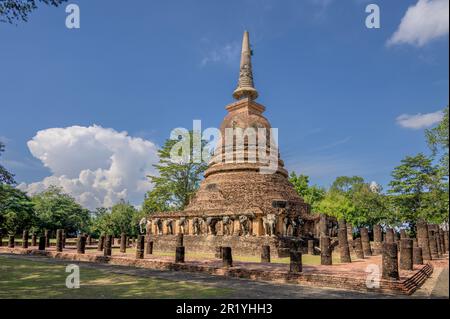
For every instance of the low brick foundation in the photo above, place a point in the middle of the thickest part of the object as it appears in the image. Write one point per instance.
(315, 276)
(241, 245)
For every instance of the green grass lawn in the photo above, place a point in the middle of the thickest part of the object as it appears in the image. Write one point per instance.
(32, 279)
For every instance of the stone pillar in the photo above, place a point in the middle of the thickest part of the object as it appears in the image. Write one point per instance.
(438, 243)
(446, 241)
(349, 233)
(323, 225)
(25, 239)
(81, 244)
(42, 240)
(433, 245)
(47, 238)
(265, 254)
(179, 254)
(295, 265)
(389, 238)
(406, 254)
(149, 249)
(64, 239)
(423, 240)
(227, 258)
(180, 238)
(415, 244)
(123, 243)
(344, 249)
(442, 241)
(365, 240)
(325, 251)
(33, 240)
(377, 239)
(403, 234)
(218, 253)
(417, 256)
(59, 240)
(311, 247)
(108, 245)
(140, 247)
(101, 243)
(11, 240)
(390, 262)
(358, 248)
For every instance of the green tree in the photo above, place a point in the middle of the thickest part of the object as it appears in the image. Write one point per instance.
(337, 205)
(438, 140)
(5, 176)
(55, 209)
(121, 218)
(312, 195)
(354, 200)
(414, 182)
(14, 10)
(16, 210)
(179, 179)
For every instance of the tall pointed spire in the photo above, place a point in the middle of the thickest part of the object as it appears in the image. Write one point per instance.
(246, 87)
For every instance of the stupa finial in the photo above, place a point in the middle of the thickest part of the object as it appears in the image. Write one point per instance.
(246, 87)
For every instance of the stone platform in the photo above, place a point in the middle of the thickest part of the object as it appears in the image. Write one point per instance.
(342, 276)
(240, 245)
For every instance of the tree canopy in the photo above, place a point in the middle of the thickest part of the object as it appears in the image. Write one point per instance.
(18, 10)
(5, 176)
(178, 180)
(55, 209)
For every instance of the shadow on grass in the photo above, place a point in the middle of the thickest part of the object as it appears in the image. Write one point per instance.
(26, 279)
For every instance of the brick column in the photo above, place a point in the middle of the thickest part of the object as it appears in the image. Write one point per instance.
(107, 251)
(179, 254)
(47, 238)
(123, 243)
(265, 254)
(140, 247)
(417, 256)
(377, 239)
(433, 245)
(101, 243)
(311, 247)
(390, 262)
(11, 242)
(42, 241)
(389, 237)
(227, 258)
(406, 254)
(365, 240)
(33, 240)
(149, 249)
(59, 240)
(325, 251)
(81, 244)
(344, 249)
(358, 248)
(25, 239)
(295, 265)
(423, 240)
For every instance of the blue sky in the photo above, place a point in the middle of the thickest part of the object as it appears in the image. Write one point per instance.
(332, 87)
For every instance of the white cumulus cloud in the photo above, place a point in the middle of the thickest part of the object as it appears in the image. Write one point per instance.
(419, 121)
(423, 22)
(98, 166)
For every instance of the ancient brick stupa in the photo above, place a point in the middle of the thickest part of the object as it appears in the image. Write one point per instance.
(242, 203)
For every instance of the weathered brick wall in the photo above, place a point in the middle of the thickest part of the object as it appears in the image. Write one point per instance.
(240, 245)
